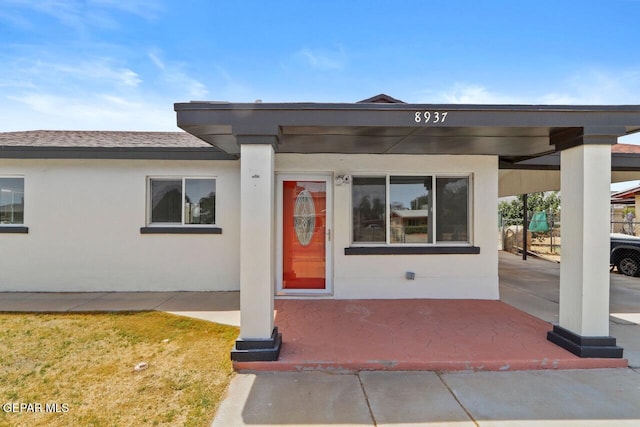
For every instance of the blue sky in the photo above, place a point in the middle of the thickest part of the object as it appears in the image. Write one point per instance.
(121, 64)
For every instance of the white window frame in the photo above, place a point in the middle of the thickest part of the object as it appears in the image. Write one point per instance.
(434, 176)
(24, 186)
(183, 179)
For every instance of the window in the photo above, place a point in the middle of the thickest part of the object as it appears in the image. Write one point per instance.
(369, 201)
(182, 201)
(452, 209)
(409, 206)
(11, 201)
(408, 217)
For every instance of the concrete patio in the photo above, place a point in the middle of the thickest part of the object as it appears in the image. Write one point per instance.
(418, 334)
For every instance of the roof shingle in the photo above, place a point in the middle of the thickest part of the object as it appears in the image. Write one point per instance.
(100, 139)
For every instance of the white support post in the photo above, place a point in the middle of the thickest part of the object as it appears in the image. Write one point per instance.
(584, 270)
(258, 338)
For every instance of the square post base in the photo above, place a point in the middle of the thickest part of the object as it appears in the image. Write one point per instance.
(258, 350)
(600, 347)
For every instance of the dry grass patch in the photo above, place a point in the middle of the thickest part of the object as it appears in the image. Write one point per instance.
(87, 361)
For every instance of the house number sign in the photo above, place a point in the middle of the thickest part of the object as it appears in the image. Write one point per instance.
(430, 117)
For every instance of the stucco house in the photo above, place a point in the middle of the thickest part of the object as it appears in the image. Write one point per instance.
(302, 200)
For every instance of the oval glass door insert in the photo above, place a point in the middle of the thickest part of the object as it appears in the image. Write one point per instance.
(304, 217)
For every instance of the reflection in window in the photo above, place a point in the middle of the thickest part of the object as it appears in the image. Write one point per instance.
(409, 207)
(452, 209)
(369, 204)
(170, 206)
(419, 213)
(166, 199)
(11, 201)
(200, 201)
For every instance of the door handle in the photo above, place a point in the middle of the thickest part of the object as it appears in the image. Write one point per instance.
(328, 234)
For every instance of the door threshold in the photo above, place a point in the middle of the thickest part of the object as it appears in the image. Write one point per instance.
(302, 295)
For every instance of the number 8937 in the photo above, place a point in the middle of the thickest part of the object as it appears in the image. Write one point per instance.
(430, 117)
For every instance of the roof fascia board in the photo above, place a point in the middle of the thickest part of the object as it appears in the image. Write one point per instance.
(264, 119)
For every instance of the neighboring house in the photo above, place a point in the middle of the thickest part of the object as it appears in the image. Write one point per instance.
(409, 226)
(625, 209)
(630, 196)
(303, 200)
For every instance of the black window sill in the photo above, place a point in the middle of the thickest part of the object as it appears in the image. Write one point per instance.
(180, 230)
(411, 250)
(15, 230)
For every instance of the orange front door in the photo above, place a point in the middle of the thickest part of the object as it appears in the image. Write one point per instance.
(304, 235)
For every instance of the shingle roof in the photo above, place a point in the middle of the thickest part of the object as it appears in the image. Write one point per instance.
(629, 193)
(625, 148)
(100, 139)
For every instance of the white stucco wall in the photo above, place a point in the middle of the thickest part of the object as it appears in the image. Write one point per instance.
(437, 276)
(84, 219)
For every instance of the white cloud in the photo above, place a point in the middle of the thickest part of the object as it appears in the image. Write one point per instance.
(156, 60)
(129, 78)
(17, 83)
(599, 86)
(98, 72)
(173, 74)
(589, 87)
(231, 88)
(120, 101)
(67, 12)
(98, 112)
(147, 9)
(15, 20)
(77, 14)
(324, 59)
(100, 93)
(463, 93)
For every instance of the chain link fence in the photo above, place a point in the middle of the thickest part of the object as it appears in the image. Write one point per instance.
(629, 227)
(548, 242)
(623, 220)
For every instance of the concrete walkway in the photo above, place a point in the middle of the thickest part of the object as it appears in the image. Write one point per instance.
(607, 397)
(219, 307)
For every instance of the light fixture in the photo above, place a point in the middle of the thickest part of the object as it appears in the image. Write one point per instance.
(343, 179)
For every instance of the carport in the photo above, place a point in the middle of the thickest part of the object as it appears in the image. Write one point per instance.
(301, 136)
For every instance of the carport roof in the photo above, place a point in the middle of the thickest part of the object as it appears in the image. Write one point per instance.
(624, 157)
(513, 132)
